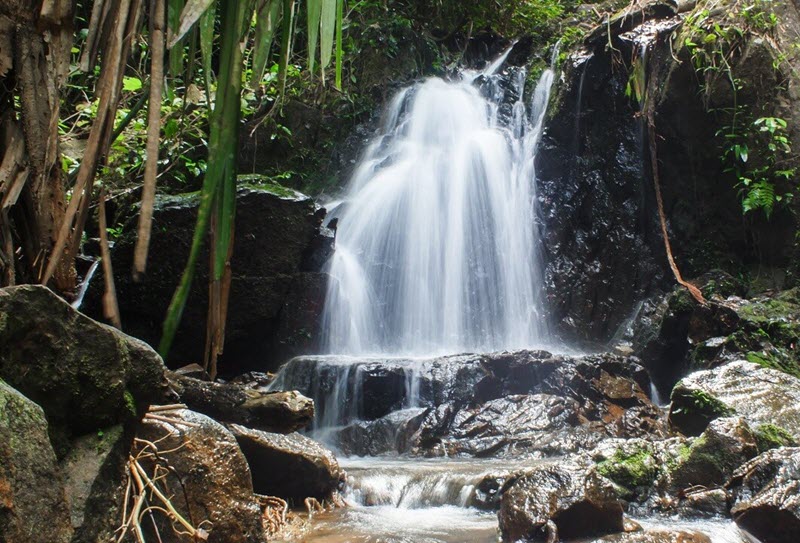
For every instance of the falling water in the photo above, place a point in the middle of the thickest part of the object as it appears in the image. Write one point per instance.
(436, 248)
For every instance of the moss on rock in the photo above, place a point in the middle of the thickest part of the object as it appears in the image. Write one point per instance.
(770, 436)
(630, 470)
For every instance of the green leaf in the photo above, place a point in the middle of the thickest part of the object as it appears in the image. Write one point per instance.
(268, 14)
(327, 32)
(286, 43)
(207, 46)
(339, 44)
(190, 14)
(313, 17)
(131, 84)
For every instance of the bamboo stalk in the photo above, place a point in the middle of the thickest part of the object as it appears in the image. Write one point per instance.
(110, 305)
(158, 18)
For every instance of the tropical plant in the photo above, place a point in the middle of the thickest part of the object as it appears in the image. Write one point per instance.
(41, 226)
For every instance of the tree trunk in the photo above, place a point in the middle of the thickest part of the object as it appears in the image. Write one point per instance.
(35, 45)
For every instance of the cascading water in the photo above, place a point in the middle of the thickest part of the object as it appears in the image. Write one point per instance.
(436, 254)
(436, 247)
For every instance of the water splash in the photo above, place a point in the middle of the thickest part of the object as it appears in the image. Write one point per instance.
(437, 249)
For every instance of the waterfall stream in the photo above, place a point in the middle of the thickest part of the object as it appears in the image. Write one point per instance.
(437, 253)
(436, 247)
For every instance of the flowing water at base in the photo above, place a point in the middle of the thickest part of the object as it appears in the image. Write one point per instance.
(412, 500)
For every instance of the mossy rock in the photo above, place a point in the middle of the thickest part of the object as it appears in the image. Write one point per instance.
(770, 436)
(693, 409)
(710, 460)
(630, 471)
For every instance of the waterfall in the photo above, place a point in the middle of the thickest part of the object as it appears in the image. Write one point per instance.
(436, 247)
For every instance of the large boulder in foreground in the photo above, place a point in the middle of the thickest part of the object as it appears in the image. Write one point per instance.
(33, 507)
(765, 494)
(292, 466)
(277, 239)
(85, 375)
(566, 497)
(759, 395)
(208, 472)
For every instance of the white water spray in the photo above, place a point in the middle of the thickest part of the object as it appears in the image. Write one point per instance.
(436, 248)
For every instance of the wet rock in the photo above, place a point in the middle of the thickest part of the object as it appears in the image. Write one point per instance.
(282, 412)
(759, 395)
(509, 426)
(275, 230)
(577, 502)
(704, 503)
(765, 494)
(292, 466)
(639, 469)
(656, 536)
(496, 404)
(92, 469)
(299, 329)
(673, 334)
(33, 506)
(391, 433)
(85, 375)
(209, 476)
(725, 445)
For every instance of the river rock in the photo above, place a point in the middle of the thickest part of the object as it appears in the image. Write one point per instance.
(759, 395)
(276, 229)
(292, 466)
(209, 477)
(656, 536)
(85, 375)
(282, 412)
(567, 496)
(33, 505)
(765, 494)
(725, 445)
(505, 427)
(92, 471)
(559, 403)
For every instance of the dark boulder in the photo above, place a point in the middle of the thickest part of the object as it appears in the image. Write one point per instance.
(564, 497)
(33, 505)
(292, 466)
(282, 412)
(496, 404)
(276, 233)
(84, 374)
(765, 494)
(759, 395)
(508, 426)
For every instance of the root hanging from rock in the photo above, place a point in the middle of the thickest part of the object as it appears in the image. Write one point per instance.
(146, 495)
(650, 102)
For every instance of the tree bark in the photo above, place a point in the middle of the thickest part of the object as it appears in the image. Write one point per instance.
(34, 61)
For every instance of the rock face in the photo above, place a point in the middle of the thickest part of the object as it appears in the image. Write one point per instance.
(567, 497)
(499, 404)
(33, 507)
(602, 244)
(84, 375)
(282, 412)
(277, 245)
(674, 335)
(765, 494)
(760, 395)
(213, 473)
(291, 466)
